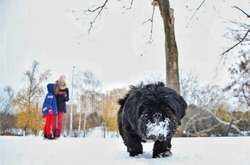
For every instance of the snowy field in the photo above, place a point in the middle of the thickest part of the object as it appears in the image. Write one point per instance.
(95, 150)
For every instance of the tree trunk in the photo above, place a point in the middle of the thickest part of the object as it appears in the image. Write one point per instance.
(80, 118)
(71, 120)
(84, 124)
(80, 122)
(171, 52)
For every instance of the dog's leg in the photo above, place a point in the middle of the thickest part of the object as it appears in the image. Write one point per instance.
(162, 149)
(133, 143)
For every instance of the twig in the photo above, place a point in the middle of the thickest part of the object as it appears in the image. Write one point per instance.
(151, 20)
(236, 7)
(235, 45)
(196, 10)
(99, 9)
(243, 38)
(131, 4)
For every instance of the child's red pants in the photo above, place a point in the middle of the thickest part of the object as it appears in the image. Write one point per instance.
(59, 124)
(49, 124)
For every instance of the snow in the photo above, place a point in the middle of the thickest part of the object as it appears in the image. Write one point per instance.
(157, 129)
(95, 150)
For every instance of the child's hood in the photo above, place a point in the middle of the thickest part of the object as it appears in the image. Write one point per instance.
(50, 88)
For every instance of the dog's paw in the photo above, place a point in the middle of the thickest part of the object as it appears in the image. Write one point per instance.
(162, 155)
(134, 152)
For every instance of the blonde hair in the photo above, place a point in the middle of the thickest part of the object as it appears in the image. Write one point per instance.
(62, 78)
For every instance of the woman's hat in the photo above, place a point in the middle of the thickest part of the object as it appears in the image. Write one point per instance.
(62, 78)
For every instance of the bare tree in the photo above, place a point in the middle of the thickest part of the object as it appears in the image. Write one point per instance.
(171, 52)
(6, 99)
(34, 88)
(190, 87)
(87, 86)
(29, 97)
(241, 35)
(7, 118)
(201, 94)
(240, 67)
(210, 98)
(240, 79)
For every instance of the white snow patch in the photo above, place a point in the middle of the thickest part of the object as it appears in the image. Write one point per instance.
(98, 151)
(157, 129)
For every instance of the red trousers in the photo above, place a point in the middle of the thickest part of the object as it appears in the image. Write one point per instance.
(59, 124)
(49, 125)
(53, 124)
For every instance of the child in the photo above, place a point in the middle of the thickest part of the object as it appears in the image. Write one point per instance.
(49, 111)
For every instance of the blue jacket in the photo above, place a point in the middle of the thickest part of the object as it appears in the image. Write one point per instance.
(49, 104)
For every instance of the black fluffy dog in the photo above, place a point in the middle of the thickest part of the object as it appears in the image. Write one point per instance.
(150, 112)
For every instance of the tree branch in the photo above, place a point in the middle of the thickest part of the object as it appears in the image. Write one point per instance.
(239, 42)
(196, 10)
(151, 20)
(241, 39)
(99, 10)
(131, 4)
(236, 7)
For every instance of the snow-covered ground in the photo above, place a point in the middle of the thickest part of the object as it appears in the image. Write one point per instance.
(94, 150)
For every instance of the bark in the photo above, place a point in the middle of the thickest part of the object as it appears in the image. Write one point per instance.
(171, 52)
(80, 122)
(84, 125)
(80, 118)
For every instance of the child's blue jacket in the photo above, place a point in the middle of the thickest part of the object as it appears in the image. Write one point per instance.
(49, 104)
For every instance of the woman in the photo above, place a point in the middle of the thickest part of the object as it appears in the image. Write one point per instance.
(62, 96)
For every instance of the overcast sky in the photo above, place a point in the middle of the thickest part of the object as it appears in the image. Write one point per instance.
(54, 32)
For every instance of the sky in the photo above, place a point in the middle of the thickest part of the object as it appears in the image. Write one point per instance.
(55, 33)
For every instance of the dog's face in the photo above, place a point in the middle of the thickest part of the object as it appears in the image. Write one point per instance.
(156, 121)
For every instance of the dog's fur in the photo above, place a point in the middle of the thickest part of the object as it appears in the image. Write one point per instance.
(152, 103)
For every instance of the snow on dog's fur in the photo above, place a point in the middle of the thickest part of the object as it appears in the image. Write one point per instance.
(158, 129)
(150, 112)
